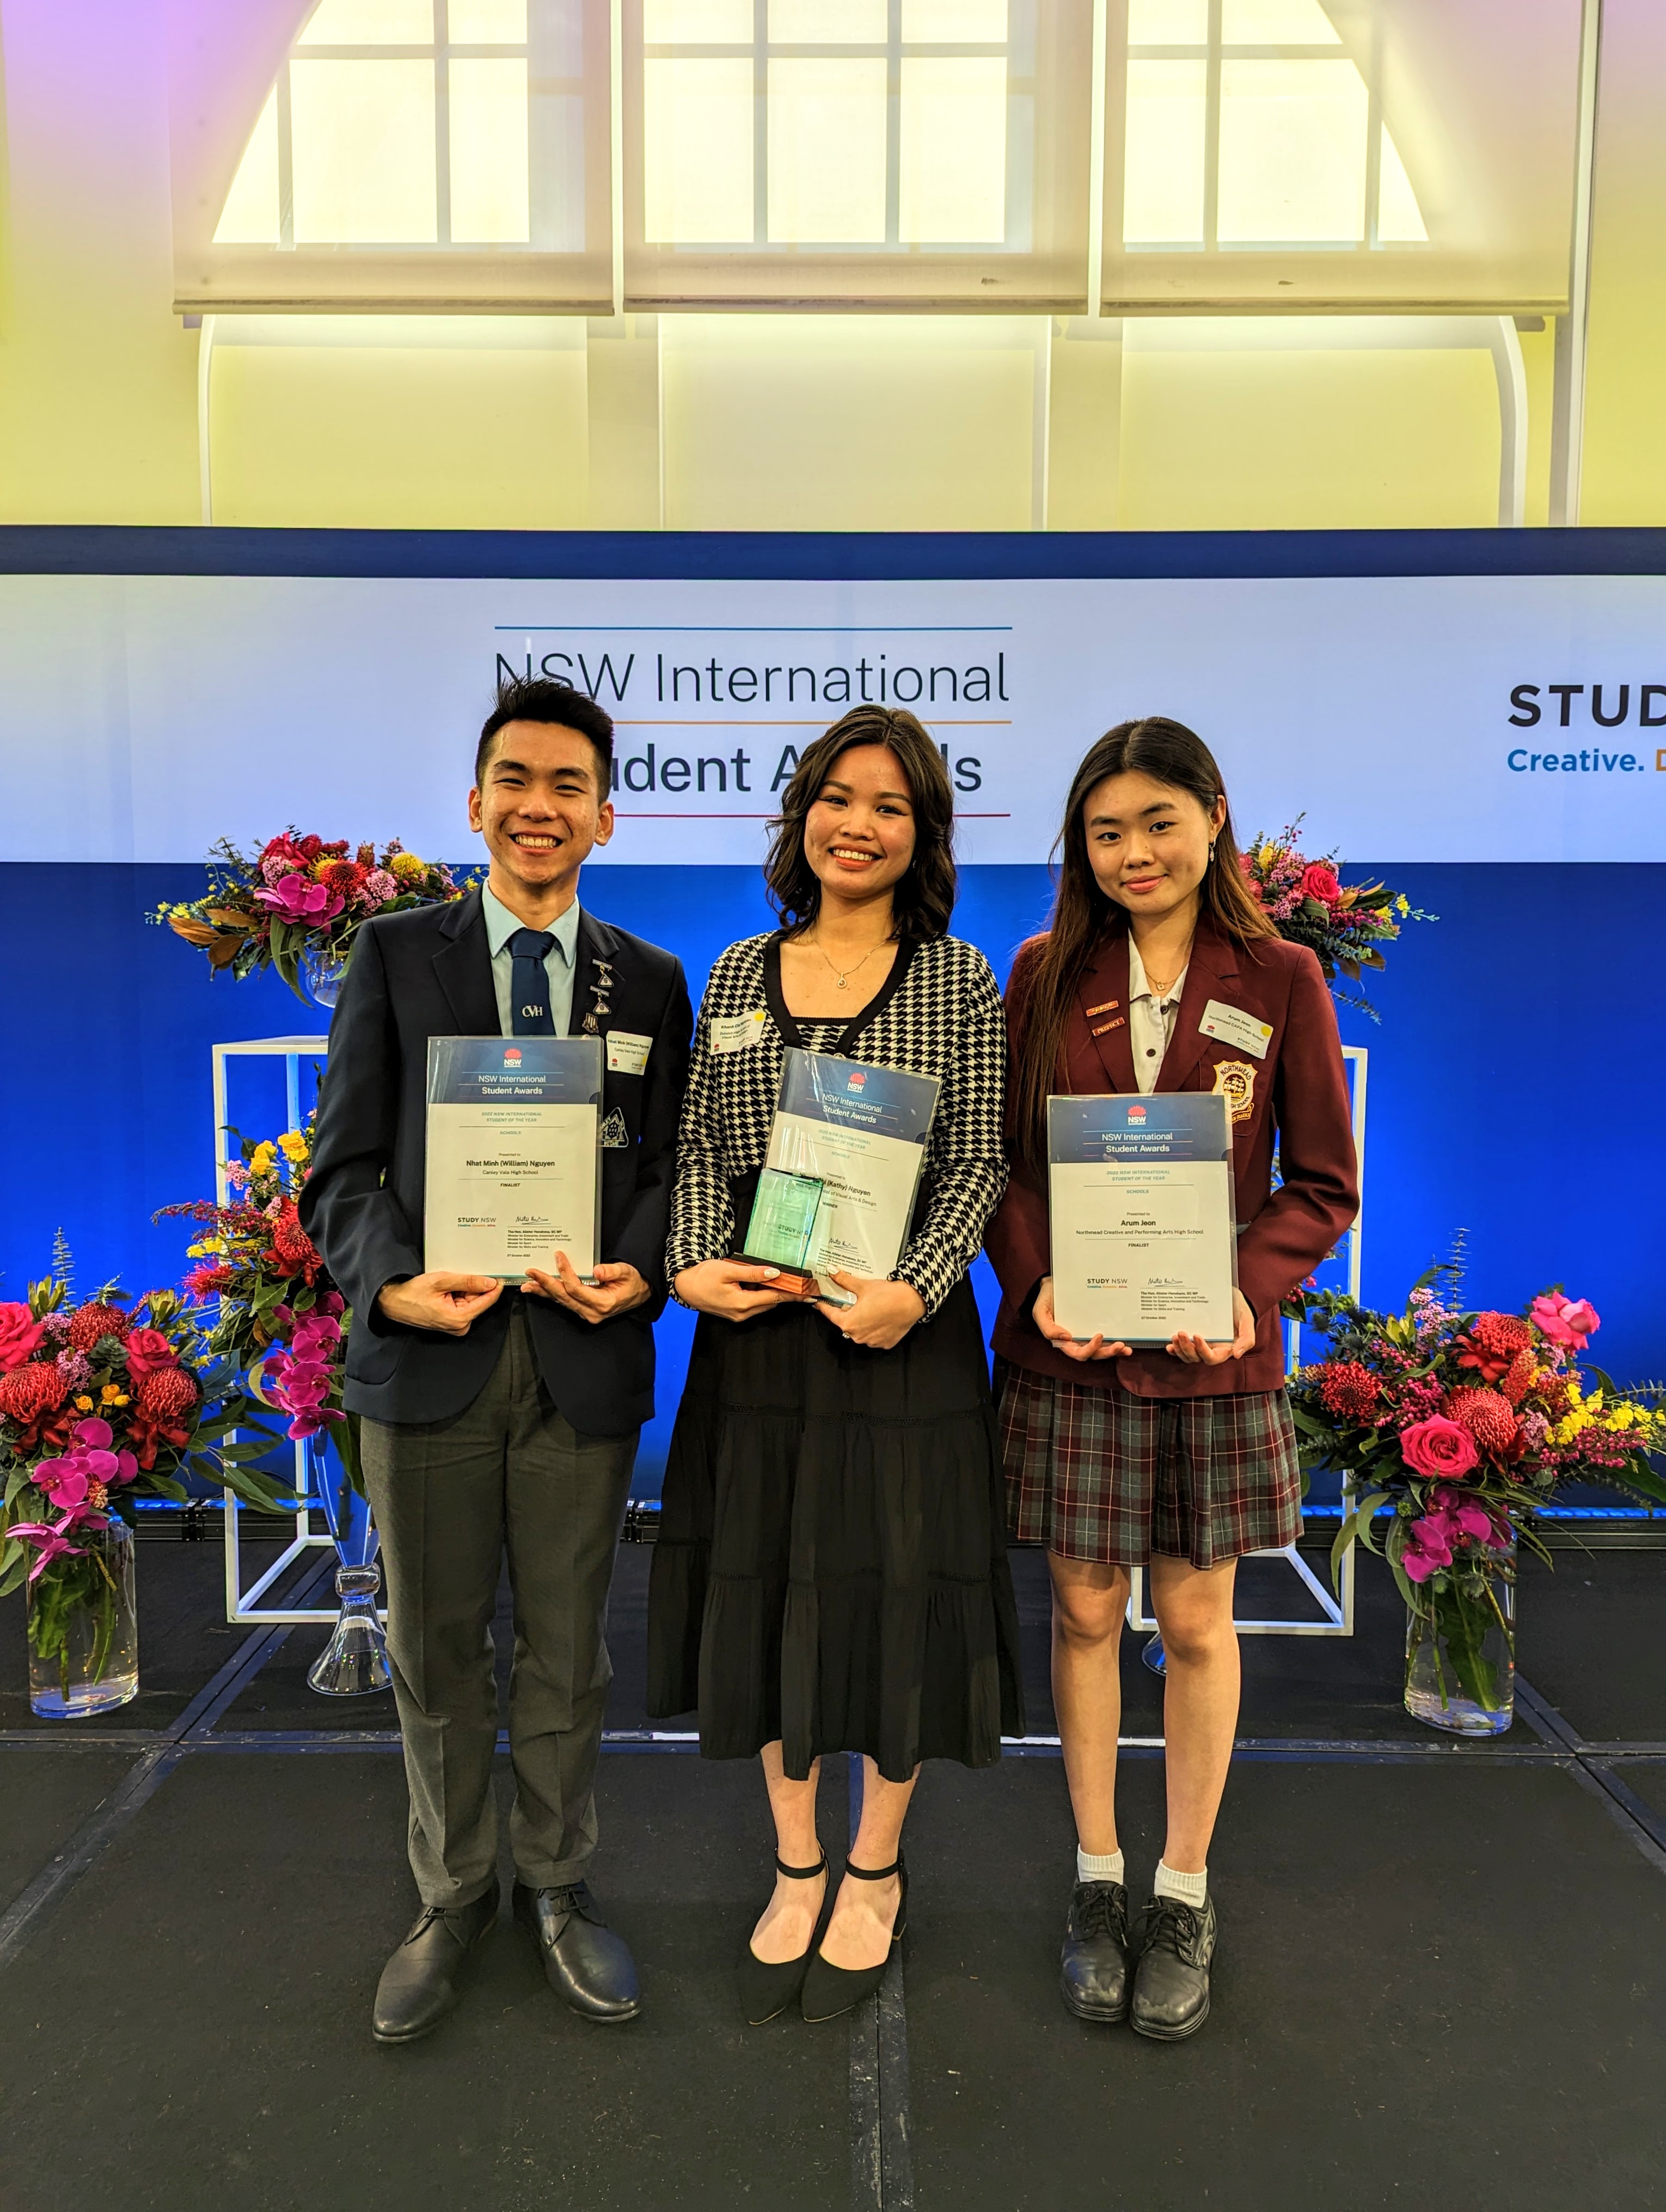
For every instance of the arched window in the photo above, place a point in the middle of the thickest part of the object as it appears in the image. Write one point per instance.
(1256, 128)
(424, 154)
(1314, 154)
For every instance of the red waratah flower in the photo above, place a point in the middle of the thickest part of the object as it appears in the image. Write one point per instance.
(90, 1322)
(294, 1252)
(1348, 1389)
(32, 1400)
(161, 1413)
(1492, 1342)
(1489, 1419)
(1519, 1380)
(204, 1281)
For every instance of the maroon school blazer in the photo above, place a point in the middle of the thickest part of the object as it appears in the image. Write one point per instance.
(1297, 1095)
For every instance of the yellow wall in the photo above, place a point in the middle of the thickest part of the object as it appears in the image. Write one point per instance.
(768, 421)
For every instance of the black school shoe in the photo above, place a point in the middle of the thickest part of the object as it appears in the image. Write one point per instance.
(1094, 1969)
(1171, 1981)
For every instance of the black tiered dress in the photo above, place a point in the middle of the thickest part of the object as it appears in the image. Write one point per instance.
(831, 1566)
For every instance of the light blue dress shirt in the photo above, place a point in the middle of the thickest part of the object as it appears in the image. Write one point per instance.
(558, 961)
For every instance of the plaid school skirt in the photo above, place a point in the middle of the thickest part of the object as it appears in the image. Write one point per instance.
(1095, 1472)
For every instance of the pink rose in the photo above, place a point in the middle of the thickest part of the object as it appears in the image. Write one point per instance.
(298, 899)
(148, 1349)
(1564, 1321)
(1319, 882)
(20, 1335)
(1437, 1446)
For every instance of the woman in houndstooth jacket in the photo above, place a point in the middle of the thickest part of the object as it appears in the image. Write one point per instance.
(830, 1573)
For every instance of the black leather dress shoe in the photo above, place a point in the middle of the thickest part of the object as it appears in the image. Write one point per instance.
(423, 1979)
(584, 1962)
(1093, 1966)
(1171, 1980)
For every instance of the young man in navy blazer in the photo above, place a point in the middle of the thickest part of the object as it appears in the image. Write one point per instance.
(498, 1417)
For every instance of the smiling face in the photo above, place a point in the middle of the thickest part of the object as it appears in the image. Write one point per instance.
(542, 811)
(1148, 843)
(859, 834)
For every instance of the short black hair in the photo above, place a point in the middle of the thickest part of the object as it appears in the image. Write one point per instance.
(541, 699)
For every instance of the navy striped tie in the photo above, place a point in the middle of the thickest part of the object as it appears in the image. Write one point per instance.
(529, 990)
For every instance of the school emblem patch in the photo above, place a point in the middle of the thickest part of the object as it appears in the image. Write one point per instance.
(1235, 1081)
(615, 1138)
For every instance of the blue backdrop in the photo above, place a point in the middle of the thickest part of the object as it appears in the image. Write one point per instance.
(1516, 1087)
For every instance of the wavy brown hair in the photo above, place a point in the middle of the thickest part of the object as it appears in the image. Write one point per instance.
(1177, 757)
(923, 899)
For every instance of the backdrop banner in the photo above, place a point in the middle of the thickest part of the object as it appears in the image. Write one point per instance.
(1439, 718)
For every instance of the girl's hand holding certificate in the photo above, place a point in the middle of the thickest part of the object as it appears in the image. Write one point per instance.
(1195, 1351)
(734, 1290)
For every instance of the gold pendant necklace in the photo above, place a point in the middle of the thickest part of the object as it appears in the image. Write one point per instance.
(842, 982)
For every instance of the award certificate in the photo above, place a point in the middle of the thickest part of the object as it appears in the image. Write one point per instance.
(859, 1132)
(513, 1153)
(1141, 1200)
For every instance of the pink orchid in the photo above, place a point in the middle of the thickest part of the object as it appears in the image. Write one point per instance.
(66, 1480)
(1469, 1516)
(50, 1541)
(1565, 1320)
(299, 899)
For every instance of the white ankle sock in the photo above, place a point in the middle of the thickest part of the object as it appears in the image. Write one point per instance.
(1102, 1866)
(1190, 1888)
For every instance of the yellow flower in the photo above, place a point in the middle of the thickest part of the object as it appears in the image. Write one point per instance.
(1402, 905)
(264, 1158)
(407, 868)
(83, 1404)
(294, 1146)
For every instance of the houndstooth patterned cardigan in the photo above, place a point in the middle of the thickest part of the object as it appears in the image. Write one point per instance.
(937, 1013)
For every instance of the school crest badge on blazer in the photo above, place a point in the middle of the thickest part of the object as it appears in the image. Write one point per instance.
(1235, 1081)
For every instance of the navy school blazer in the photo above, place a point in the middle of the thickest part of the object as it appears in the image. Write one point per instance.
(428, 972)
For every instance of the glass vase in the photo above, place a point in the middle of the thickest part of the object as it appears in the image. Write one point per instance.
(1461, 1644)
(353, 1662)
(323, 972)
(82, 1629)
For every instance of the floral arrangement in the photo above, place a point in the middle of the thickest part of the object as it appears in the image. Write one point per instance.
(1345, 924)
(281, 1320)
(100, 1404)
(1464, 1425)
(301, 896)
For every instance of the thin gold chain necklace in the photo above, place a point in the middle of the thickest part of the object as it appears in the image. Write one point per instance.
(841, 982)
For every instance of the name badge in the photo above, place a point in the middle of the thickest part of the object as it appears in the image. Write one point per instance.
(1231, 1025)
(627, 1053)
(737, 1032)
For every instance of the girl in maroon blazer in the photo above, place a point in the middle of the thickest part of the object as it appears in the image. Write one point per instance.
(1183, 1459)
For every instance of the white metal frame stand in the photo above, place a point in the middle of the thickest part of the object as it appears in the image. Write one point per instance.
(243, 1605)
(1337, 1609)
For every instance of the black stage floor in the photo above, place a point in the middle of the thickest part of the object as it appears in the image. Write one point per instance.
(1442, 1971)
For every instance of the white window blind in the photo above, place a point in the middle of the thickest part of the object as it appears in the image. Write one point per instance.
(857, 153)
(427, 156)
(1339, 154)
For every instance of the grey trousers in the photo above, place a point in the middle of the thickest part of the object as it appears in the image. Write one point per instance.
(449, 1496)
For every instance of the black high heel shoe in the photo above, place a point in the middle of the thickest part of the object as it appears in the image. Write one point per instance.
(768, 1987)
(828, 1990)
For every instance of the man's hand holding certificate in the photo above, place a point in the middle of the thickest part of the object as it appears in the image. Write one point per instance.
(1144, 1248)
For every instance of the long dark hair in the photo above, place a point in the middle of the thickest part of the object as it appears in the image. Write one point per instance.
(923, 899)
(1170, 754)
